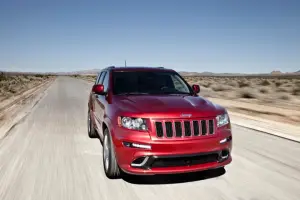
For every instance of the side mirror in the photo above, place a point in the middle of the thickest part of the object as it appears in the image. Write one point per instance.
(98, 89)
(196, 89)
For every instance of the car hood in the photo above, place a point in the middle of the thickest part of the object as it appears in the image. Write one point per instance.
(169, 104)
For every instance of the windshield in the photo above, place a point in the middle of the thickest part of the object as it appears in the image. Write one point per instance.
(149, 82)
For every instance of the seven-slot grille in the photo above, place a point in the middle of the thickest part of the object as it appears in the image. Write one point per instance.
(184, 128)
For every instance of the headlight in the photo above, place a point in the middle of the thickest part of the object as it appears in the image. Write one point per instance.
(222, 120)
(133, 123)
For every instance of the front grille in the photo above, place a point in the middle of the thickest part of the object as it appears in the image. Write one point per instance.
(169, 129)
(178, 129)
(184, 128)
(159, 129)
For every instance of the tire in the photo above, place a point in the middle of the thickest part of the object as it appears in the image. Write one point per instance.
(91, 129)
(110, 165)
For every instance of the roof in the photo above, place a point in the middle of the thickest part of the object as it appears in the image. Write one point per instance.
(137, 68)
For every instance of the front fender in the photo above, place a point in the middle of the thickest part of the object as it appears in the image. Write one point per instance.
(107, 122)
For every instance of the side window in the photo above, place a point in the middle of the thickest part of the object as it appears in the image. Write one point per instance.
(97, 79)
(106, 81)
(100, 80)
(179, 84)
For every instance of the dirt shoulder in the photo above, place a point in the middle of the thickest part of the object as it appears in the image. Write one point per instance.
(12, 85)
(20, 93)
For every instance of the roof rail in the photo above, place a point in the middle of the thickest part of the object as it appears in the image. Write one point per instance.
(161, 67)
(109, 67)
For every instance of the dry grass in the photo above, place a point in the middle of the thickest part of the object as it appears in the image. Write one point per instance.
(275, 90)
(91, 78)
(11, 85)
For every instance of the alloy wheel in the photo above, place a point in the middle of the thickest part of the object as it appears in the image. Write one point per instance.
(106, 153)
(89, 123)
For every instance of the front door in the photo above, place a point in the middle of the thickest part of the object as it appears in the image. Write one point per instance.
(101, 103)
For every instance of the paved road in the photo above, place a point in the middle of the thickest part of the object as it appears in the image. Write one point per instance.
(49, 156)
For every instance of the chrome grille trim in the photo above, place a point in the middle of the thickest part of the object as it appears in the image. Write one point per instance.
(208, 130)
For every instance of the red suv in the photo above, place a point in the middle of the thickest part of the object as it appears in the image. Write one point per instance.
(151, 121)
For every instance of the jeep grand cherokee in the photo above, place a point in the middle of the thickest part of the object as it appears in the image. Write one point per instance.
(151, 121)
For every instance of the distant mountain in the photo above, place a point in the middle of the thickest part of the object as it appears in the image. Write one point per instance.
(80, 72)
(276, 73)
(209, 74)
(279, 73)
(186, 73)
(92, 71)
(16, 73)
(183, 73)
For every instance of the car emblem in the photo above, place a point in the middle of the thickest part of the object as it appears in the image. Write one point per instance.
(185, 115)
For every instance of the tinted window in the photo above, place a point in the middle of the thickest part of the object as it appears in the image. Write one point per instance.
(149, 83)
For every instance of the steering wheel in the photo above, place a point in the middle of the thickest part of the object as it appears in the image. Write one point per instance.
(164, 87)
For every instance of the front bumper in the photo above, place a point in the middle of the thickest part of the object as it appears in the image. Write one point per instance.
(171, 156)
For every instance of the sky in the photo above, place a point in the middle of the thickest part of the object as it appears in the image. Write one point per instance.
(232, 36)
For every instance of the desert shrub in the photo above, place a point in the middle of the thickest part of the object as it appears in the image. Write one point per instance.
(281, 89)
(263, 90)
(284, 97)
(219, 88)
(232, 83)
(207, 84)
(288, 85)
(12, 90)
(2, 76)
(247, 94)
(39, 75)
(296, 91)
(277, 83)
(265, 83)
(243, 84)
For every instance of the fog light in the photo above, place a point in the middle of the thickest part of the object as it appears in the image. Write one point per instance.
(136, 145)
(223, 155)
(140, 162)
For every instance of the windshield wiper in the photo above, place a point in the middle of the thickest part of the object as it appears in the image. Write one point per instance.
(153, 93)
(132, 93)
(179, 93)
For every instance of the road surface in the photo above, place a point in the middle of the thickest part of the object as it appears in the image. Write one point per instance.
(49, 156)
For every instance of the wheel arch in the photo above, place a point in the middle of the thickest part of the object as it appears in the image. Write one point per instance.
(106, 124)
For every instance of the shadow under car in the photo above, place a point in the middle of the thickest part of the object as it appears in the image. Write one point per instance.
(173, 178)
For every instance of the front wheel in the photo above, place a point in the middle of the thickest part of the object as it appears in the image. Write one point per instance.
(110, 164)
